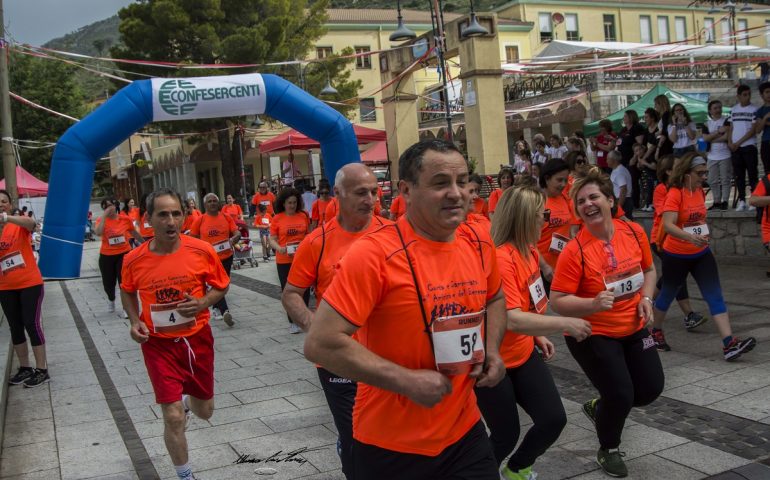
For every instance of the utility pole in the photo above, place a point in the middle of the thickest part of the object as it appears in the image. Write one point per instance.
(6, 130)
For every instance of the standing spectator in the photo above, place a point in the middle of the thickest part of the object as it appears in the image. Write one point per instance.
(621, 183)
(719, 164)
(646, 184)
(603, 143)
(523, 164)
(649, 162)
(586, 146)
(763, 125)
(681, 132)
(556, 149)
(539, 156)
(308, 198)
(742, 142)
(290, 170)
(631, 134)
(663, 107)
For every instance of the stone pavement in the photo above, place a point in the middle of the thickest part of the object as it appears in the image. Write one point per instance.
(97, 417)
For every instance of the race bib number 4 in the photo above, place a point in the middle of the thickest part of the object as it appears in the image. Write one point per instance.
(222, 246)
(113, 241)
(457, 343)
(558, 242)
(166, 318)
(696, 229)
(625, 284)
(12, 261)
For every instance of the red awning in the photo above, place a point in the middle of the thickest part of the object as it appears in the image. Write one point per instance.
(293, 139)
(27, 184)
(378, 153)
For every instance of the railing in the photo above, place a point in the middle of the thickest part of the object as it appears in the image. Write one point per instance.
(680, 72)
(519, 87)
(434, 109)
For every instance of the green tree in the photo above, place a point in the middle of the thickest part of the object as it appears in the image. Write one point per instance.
(229, 31)
(51, 84)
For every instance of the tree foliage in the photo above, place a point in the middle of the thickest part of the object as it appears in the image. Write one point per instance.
(229, 31)
(49, 83)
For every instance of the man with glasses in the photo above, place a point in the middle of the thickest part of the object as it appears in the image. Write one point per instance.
(264, 197)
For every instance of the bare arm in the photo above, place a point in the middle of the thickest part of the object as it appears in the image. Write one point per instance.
(292, 301)
(571, 305)
(759, 201)
(22, 221)
(529, 323)
(275, 245)
(623, 195)
(135, 234)
(670, 227)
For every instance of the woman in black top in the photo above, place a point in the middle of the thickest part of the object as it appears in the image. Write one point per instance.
(649, 163)
(631, 134)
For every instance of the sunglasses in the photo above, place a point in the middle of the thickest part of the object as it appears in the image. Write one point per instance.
(580, 161)
(700, 173)
(547, 215)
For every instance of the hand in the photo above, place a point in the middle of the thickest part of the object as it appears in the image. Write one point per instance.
(699, 240)
(604, 300)
(577, 328)
(721, 130)
(491, 372)
(283, 250)
(546, 346)
(139, 332)
(732, 146)
(547, 273)
(644, 309)
(427, 387)
(109, 211)
(191, 306)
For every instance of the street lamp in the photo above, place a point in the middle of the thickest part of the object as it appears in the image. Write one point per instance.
(402, 32)
(328, 88)
(239, 132)
(474, 28)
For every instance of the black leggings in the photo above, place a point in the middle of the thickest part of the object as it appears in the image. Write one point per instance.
(531, 386)
(110, 267)
(283, 277)
(22, 308)
(745, 161)
(626, 372)
(222, 304)
(341, 396)
(682, 293)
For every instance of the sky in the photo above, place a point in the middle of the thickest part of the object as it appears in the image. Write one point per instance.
(37, 21)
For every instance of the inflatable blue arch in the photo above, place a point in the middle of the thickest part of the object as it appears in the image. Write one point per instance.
(163, 99)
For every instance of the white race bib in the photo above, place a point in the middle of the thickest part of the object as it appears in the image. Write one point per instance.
(696, 229)
(12, 261)
(291, 248)
(116, 240)
(166, 318)
(265, 221)
(558, 242)
(147, 225)
(458, 343)
(625, 284)
(265, 203)
(537, 292)
(222, 246)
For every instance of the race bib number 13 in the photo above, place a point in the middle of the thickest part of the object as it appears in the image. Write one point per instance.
(457, 342)
(625, 284)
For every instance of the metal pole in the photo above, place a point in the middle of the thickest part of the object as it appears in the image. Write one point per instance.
(243, 171)
(6, 129)
(442, 64)
(735, 40)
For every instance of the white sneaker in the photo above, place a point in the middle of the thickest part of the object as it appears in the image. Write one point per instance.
(111, 306)
(216, 314)
(741, 206)
(294, 329)
(188, 415)
(752, 208)
(228, 318)
(123, 314)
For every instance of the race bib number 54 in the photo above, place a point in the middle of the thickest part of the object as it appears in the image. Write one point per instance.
(457, 342)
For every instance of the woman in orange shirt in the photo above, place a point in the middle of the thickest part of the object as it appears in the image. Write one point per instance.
(556, 230)
(528, 381)
(21, 294)
(115, 231)
(606, 276)
(231, 208)
(143, 224)
(505, 180)
(478, 204)
(287, 229)
(318, 209)
(191, 214)
(686, 250)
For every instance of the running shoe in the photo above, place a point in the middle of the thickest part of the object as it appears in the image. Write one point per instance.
(589, 408)
(741, 206)
(216, 314)
(523, 474)
(724, 206)
(111, 306)
(188, 415)
(38, 378)
(21, 375)
(612, 462)
(660, 341)
(694, 319)
(228, 318)
(738, 347)
(294, 329)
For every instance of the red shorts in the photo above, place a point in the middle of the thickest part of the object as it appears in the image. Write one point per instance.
(176, 369)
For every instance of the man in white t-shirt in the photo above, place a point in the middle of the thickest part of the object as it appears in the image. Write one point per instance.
(719, 155)
(622, 184)
(290, 170)
(308, 197)
(742, 141)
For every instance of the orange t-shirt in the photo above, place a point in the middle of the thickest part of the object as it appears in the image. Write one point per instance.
(267, 200)
(164, 279)
(760, 191)
(494, 197)
(133, 214)
(480, 206)
(691, 210)
(115, 235)
(318, 212)
(190, 219)
(217, 231)
(477, 219)
(585, 263)
(398, 207)
(233, 210)
(331, 209)
(570, 182)
(556, 232)
(145, 230)
(18, 268)
(658, 200)
(335, 241)
(517, 274)
(262, 222)
(290, 230)
(373, 289)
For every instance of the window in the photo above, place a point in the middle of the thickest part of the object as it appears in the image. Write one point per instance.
(364, 61)
(367, 110)
(645, 29)
(546, 27)
(511, 54)
(323, 52)
(680, 29)
(708, 30)
(609, 28)
(726, 32)
(743, 35)
(571, 22)
(663, 30)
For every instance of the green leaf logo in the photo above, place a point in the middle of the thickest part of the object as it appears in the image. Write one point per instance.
(175, 99)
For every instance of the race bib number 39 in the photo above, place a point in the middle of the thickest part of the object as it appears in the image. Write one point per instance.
(625, 284)
(696, 229)
(457, 343)
(166, 318)
(11, 262)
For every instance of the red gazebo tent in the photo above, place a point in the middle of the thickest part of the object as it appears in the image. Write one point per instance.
(377, 154)
(27, 185)
(292, 139)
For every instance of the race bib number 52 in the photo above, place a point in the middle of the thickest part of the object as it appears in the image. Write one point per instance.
(457, 342)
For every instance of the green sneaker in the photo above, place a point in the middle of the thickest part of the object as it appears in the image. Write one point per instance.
(589, 408)
(523, 474)
(612, 462)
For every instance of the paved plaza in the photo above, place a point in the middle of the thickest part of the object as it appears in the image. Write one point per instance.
(97, 418)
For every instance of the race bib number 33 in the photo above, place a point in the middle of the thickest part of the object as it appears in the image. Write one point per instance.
(457, 342)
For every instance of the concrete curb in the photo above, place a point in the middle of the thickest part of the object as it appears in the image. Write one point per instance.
(5, 370)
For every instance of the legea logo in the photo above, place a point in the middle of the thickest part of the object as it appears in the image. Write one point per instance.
(180, 97)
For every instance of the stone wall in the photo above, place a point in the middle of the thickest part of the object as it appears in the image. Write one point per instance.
(732, 233)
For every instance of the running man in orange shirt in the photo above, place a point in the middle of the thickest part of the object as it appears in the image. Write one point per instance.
(355, 186)
(219, 230)
(264, 197)
(424, 296)
(176, 278)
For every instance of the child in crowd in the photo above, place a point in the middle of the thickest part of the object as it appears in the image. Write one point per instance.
(262, 222)
(539, 155)
(556, 149)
